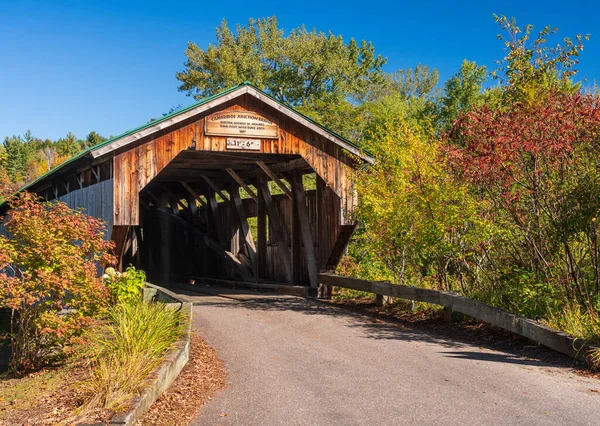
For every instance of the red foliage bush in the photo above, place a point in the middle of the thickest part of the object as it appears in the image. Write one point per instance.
(49, 277)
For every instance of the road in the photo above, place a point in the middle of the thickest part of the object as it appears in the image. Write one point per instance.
(296, 362)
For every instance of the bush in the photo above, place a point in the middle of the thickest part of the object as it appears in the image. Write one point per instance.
(126, 349)
(126, 287)
(48, 277)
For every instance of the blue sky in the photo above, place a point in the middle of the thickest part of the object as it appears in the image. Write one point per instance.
(110, 66)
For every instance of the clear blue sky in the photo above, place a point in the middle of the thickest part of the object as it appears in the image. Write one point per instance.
(110, 66)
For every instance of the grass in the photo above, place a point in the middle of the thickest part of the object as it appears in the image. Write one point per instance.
(125, 350)
(21, 393)
(582, 324)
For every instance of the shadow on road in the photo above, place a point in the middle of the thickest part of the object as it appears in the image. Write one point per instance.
(453, 336)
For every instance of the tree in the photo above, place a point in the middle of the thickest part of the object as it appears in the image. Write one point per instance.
(415, 82)
(462, 91)
(92, 139)
(531, 68)
(68, 146)
(538, 165)
(419, 221)
(317, 73)
(48, 277)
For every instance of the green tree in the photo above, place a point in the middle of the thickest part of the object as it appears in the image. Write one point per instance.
(69, 145)
(532, 68)
(462, 91)
(92, 139)
(317, 73)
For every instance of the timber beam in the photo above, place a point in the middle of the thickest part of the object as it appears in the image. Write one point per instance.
(214, 187)
(275, 178)
(193, 193)
(243, 184)
(299, 163)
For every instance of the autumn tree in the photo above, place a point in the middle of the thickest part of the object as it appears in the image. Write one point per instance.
(49, 277)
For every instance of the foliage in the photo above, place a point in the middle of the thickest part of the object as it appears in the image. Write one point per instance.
(317, 73)
(537, 165)
(124, 287)
(25, 158)
(419, 221)
(493, 192)
(532, 67)
(462, 91)
(49, 277)
(126, 349)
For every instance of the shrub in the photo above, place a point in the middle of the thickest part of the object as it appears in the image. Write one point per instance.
(124, 287)
(48, 277)
(126, 349)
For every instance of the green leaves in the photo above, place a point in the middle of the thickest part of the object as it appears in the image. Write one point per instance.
(124, 287)
(317, 73)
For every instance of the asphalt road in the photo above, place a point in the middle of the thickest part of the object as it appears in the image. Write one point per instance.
(296, 362)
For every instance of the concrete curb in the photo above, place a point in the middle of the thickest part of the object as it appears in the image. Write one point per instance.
(523, 326)
(167, 372)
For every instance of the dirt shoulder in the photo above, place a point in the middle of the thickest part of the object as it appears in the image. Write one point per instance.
(201, 378)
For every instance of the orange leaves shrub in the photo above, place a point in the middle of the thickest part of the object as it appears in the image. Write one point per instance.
(49, 277)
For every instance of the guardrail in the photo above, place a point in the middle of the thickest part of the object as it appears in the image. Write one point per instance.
(523, 326)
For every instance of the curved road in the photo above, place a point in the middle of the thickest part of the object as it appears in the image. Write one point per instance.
(296, 362)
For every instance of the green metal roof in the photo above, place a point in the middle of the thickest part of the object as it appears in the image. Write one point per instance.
(171, 115)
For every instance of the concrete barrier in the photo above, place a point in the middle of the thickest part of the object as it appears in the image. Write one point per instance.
(523, 326)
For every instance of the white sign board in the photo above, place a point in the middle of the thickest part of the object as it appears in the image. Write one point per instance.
(248, 144)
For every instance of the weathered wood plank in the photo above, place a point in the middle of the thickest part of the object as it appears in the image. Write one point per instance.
(278, 231)
(243, 184)
(261, 228)
(309, 248)
(275, 178)
(246, 234)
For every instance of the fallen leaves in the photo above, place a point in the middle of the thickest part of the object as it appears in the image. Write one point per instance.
(197, 383)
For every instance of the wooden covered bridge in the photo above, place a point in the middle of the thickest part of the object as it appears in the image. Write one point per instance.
(237, 186)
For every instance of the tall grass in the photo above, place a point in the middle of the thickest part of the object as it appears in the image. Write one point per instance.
(581, 323)
(125, 350)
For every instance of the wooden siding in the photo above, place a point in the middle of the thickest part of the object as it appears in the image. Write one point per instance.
(135, 167)
(95, 200)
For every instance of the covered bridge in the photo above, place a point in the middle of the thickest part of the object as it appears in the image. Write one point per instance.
(237, 186)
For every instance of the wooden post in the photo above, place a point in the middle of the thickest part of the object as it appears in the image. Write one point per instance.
(309, 248)
(244, 227)
(276, 225)
(234, 225)
(262, 230)
(324, 291)
(214, 209)
(297, 264)
(447, 314)
(165, 242)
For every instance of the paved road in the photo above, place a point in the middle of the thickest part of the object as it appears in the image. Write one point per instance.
(295, 362)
